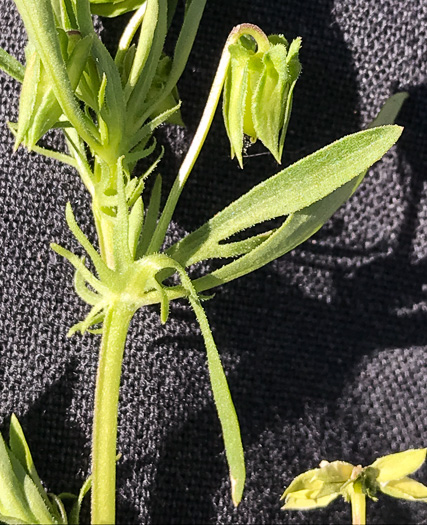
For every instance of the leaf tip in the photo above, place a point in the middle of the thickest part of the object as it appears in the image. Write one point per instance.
(236, 491)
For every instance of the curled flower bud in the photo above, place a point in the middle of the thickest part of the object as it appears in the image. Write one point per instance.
(258, 90)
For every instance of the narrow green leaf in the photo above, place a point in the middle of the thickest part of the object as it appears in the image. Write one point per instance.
(101, 92)
(79, 266)
(27, 101)
(268, 101)
(138, 153)
(102, 269)
(59, 509)
(136, 219)
(147, 131)
(48, 111)
(32, 503)
(145, 43)
(400, 465)
(74, 515)
(390, 110)
(140, 79)
(297, 187)
(19, 447)
(83, 291)
(222, 397)
(225, 407)
(193, 13)
(152, 214)
(12, 499)
(9, 520)
(11, 66)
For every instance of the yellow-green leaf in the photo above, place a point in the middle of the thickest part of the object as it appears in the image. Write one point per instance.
(306, 504)
(406, 488)
(305, 481)
(336, 471)
(397, 466)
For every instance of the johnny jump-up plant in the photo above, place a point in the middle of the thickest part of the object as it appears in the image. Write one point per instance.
(107, 107)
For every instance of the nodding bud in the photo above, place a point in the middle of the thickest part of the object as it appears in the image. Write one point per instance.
(258, 90)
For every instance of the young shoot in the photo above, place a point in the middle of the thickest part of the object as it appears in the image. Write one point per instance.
(108, 107)
(389, 475)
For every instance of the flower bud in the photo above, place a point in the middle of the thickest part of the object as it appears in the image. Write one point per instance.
(258, 92)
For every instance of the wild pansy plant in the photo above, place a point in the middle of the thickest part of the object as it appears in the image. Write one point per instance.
(389, 474)
(107, 108)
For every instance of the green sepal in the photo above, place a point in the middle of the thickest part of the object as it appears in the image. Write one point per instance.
(234, 99)
(272, 86)
(294, 70)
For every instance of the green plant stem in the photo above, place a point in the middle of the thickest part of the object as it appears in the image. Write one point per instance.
(202, 130)
(104, 436)
(358, 506)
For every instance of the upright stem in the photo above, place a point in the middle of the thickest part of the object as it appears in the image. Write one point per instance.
(115, 328)
(358, 506)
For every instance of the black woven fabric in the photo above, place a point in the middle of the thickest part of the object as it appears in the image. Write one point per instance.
(324, 349)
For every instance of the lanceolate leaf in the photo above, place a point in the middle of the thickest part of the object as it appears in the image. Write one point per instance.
(11, 66)
(22, 500)
(19, 447)
(293, 189)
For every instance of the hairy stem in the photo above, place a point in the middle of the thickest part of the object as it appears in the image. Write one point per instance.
(115, 328)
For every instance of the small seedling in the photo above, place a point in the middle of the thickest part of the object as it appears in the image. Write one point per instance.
(317, 488)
